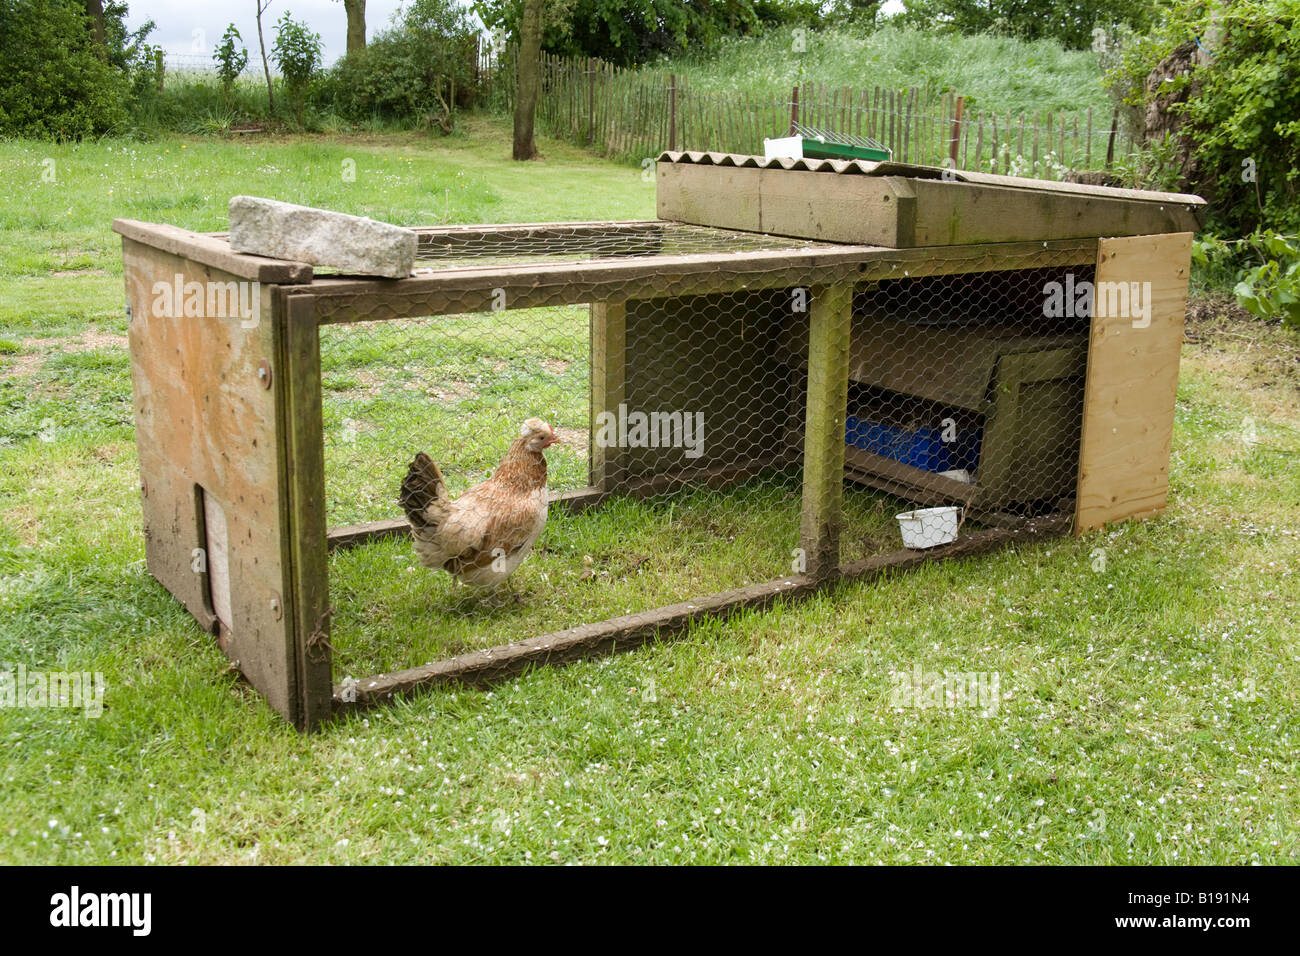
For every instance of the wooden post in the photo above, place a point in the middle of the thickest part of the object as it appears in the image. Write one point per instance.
(1110, 144)
(608, 386)
(906, 104)
(672, 111)
(997, 145)
(830, 321)
(1087, 142)
(159, 68)
(1033, 170)
(893, 129)
(308, 549)
(794, 109)
(955, 139)
(591, 101)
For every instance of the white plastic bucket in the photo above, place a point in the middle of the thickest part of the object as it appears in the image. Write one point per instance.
(928, 527)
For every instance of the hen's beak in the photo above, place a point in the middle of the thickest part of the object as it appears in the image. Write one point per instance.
(554, 439)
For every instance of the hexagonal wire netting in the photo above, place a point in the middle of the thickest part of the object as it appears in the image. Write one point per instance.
(672, 432)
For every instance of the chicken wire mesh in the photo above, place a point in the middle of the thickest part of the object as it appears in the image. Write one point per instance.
(672, 432)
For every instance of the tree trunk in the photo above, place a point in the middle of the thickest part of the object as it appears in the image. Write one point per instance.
(266, 66)
(530, 56)
(356, 10)
(95, 10)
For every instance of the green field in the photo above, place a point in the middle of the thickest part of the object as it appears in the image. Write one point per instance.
(1148, 674)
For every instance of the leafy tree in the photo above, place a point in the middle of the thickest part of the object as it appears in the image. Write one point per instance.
(1070, 22)
(529, 65)
(410, 72)
(297, 52)
(58, 81)
(356, 11)
(230, 59)
(634, 31)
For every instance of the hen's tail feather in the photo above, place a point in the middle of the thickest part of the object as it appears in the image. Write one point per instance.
(422, 486)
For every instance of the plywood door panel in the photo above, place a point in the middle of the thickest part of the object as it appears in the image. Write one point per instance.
(1132, 382)
(205, 420)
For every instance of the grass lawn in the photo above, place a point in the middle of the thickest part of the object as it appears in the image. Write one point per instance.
(1148, 675)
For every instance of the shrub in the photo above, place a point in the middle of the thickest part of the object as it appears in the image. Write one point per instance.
(407, 74)
(54, 85)
(1240, 106)
(297, 52)
(230, 60)
(1263, 268)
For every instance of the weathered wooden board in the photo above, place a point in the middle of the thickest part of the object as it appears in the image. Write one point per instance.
(1132, 380)
(917, 171)
(212, 250)
(207, 420)
(964, 213)
(708, 195)
(901, 212)
(830, 321)
(308, 548)
(706, 361)
(608, 387)
(880, 211)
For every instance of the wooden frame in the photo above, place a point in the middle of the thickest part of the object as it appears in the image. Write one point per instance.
(208, 391)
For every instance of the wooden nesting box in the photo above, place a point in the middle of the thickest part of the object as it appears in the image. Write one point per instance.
(228, 400)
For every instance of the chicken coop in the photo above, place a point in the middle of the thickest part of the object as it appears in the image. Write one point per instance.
(802, 371)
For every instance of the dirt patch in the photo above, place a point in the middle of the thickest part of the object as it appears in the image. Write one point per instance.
(92, 339)
(556, 366)
(1231, 340)
(449, 392)
(21, 366)
(87, 341)
(35, 343)
(74, 273)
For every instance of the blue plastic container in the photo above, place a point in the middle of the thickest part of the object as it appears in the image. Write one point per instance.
(922, 448)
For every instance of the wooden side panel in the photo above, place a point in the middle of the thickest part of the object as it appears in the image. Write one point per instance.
(878, 210)
(1132, 379)
(901, 211)
(709, 195)
(954, 213)
(205, 420)
(712, 361)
